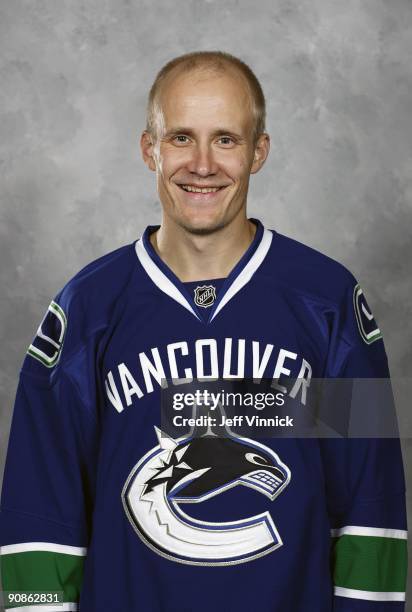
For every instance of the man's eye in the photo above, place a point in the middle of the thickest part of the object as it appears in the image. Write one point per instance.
(180, 138)
(226, 139)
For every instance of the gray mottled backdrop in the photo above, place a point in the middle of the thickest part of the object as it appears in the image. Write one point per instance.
(74, 80)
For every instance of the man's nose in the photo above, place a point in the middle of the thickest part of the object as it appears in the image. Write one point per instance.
(202, 161)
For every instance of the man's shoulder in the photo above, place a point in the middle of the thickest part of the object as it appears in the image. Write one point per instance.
(80, 312)
(90, 298)
(305, 269)
(101, 278)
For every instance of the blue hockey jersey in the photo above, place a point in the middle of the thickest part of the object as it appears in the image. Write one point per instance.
(102, 505)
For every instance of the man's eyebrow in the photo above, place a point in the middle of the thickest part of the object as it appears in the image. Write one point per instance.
(218, 132)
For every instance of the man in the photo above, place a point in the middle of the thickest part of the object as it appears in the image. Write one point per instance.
(98, 502)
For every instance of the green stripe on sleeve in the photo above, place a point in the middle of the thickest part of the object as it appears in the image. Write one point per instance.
(370, 563)
(43, 571)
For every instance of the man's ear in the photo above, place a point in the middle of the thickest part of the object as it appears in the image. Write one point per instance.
(261, 152)
(147, 149)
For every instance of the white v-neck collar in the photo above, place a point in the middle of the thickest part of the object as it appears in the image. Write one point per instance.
(160, 279)
(167, 282)
(247, 272)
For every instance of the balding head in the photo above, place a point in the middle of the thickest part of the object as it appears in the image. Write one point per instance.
(204, 65)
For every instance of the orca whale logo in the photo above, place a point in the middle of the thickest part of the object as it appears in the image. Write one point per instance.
(192, 470)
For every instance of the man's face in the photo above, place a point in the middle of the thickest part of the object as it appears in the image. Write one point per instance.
(205, 141)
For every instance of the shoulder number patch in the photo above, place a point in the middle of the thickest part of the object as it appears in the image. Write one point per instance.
(367, 325)
(47, 344)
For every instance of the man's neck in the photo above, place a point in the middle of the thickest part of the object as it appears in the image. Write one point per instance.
(195, 257)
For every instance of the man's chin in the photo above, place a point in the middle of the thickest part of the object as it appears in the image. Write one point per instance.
(201, 227)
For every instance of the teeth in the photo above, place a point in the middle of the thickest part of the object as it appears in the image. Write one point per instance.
(198, 190)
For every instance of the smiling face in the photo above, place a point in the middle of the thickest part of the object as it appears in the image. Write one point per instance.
(205, 142)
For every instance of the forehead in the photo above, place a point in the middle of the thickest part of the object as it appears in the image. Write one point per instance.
(205, 98)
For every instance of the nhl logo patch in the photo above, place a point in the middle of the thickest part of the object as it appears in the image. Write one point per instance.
(367, 325)
(205, 295)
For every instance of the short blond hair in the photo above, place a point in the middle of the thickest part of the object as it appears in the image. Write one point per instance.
(218, 61)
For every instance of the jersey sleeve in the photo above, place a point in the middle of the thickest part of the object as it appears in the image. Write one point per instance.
(364, 476)
(49, 478)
